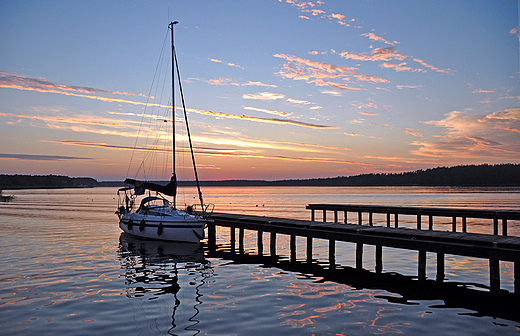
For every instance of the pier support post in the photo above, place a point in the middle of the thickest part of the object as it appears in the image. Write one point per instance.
(324, 215)
(464, 224)
(418, 222)
(293, 248)
(332, 254)
(504, 227)
(516, 275)
(440, 266)
(273, 244)
(241, 240)
(370, 222)
(359, 256)
(396, 217)
(379, 258)
(454, 224)
(335, 216)
(232, 238)
(309, 249)
(345, 214)
(388, 219)
(422, 265)
(495, 226)
(494, 274)
(312, 215)
(212, 236)
(260, 242)
(430, 222)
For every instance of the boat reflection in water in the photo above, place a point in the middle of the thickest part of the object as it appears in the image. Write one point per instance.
(164, 275)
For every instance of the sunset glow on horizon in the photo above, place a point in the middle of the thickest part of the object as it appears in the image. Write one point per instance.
(275, 89)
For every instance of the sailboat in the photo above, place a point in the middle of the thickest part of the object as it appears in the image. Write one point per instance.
(156, 217)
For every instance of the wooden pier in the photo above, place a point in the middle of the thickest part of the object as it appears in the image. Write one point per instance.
(493, 247)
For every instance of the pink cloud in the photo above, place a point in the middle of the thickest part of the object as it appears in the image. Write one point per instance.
(476, 136)
(423, 63)
(374, 37)
(321, 73)
(263, 96)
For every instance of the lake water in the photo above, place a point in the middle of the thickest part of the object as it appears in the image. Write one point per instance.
(66, 269)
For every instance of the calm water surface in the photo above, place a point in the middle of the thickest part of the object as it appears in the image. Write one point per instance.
(65, 268)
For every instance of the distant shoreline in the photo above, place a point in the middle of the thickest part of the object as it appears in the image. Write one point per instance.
(503, 175)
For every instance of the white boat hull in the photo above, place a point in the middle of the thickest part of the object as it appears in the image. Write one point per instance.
(181, 228)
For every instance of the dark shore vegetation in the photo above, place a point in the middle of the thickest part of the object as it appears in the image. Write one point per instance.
(46, 181)
(500, 175)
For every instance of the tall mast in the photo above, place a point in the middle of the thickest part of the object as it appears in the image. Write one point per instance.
(174, 176)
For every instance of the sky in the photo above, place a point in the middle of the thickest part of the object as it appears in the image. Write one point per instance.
(274, 89)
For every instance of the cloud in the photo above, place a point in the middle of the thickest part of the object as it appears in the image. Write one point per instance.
(476, 136)
(264, 96)
(258, 84)
(222, 81)
(40, 157)
(7, 79)
(378, 54)
(400, 87)
(321, 74)
(265, 120)
(229, 152)
(414, 133)
(368, 113)
(514, 31)
(298, 102)
(398, 67)
(11, 80)
(230, 64)
(483, 91)
(423, 63)
(278, 113)
(374, 37)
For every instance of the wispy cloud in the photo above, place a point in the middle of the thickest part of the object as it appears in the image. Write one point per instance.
(274, 112)
(374, 37)
(229, 64)
(483, 91)
(423, 63)
(203, 151)
(321, 74)
(263, 96)
(258, 84)
(476, 136)
(223, 81)
(40, 157)
(265, 120)
(378, 54)
(11, 80)
(298, 102)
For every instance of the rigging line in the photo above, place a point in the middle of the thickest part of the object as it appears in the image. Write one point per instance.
(188, 132)
(146, 105)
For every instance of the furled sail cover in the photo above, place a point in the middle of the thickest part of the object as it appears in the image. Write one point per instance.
(139, 186)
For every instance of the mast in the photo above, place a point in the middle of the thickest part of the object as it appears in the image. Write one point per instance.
(173, 179)
(173, 182)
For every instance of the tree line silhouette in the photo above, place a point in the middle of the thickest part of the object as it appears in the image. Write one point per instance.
(473, 175)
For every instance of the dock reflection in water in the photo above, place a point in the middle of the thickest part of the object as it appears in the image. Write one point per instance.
(168, 276)
(474, 297)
